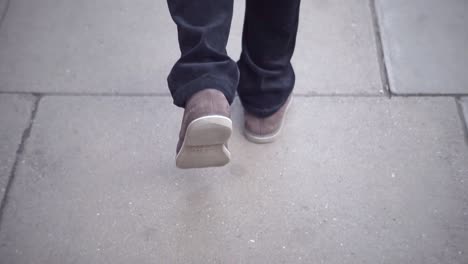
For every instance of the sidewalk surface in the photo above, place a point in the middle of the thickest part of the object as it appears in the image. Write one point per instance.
(372, 166)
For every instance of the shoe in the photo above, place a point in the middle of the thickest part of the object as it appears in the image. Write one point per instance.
(205, 130)
(265, 130)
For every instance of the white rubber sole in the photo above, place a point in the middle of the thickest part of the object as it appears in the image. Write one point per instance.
(269, 138)
(205, 143)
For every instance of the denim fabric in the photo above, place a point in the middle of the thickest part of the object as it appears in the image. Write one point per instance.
(263, 76)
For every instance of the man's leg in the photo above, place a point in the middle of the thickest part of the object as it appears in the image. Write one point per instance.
(203, 27)
(203, 81)
(267, 77)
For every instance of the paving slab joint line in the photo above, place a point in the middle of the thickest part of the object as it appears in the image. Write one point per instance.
(454, 95)
(337, 95)
(87, 94)
(58, 94)
(19, 155)
(463, 117)
(4, 13)
(380, 50)
(62, 94)
(305, 95)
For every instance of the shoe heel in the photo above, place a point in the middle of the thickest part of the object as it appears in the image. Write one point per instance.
(204, 143)
(208, 130)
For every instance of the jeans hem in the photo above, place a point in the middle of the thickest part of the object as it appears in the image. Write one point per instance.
(183, 94)
(263, 112)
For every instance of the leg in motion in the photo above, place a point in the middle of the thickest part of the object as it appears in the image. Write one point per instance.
(267, 76)
(203, 81)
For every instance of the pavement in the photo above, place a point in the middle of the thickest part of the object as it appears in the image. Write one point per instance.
(372, 165)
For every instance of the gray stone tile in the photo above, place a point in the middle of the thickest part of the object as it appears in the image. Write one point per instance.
(425, 45)
(350, 181)
(336, 49)
(3, 5)
(15, 112)
(129, 47)
(339, 58)
(464, 104)
(103, 46)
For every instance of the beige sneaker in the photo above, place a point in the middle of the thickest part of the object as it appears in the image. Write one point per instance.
(265, 130)
(205, 130)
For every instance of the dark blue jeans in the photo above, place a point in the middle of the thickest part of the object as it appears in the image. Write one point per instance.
(263, 76)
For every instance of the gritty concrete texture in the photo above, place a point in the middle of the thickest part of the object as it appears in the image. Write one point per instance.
(425, 45)
(15, 113)
(355, 180)
(107, 46)
(3, 5)
(339, 58)
(336, 49)
(464, 114)
(121, 46)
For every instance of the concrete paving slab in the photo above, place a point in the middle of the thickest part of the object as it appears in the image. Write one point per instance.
(464, 104)
(336, 49)
(352, 181)
(130, 46)
(339, 58)
(425, 45)
(107, 46)
(3, 5)
(15, 113)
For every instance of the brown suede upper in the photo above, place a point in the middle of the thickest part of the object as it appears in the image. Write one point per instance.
(266, 126)
(203, 103)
